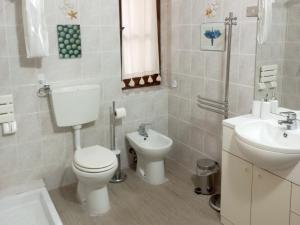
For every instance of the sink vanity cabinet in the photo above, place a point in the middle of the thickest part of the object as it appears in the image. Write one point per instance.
(236, 189)
(252, 195)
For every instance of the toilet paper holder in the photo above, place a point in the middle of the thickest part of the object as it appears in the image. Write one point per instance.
(119, 175)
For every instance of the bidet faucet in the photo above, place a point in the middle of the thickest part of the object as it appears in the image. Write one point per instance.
(291, 120)
(142, 129)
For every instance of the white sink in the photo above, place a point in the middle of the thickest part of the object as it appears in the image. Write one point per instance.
(268, 145)
(151, 152)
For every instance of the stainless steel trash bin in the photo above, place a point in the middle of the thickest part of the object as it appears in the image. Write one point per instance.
(206, 174)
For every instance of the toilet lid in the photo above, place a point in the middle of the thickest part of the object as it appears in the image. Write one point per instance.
(99, 170)
(94, 157)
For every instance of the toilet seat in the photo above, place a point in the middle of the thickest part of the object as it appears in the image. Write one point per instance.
(94, 159)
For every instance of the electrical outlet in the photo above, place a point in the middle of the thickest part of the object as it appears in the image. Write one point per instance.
(252, 11)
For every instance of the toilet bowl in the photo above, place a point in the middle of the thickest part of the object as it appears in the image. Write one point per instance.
(151, 152)
(94, 166)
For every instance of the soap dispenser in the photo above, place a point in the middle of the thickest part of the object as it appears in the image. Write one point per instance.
(265, 108)
(274, 104)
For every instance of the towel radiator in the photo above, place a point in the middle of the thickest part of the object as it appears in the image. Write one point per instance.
(221, 107)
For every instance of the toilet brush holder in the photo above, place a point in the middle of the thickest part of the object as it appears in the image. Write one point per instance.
(119, 175)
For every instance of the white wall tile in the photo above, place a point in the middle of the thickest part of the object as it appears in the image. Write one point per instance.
(214, 65)
(90, 13)
(198, 11)
(90, 38)
(25, 99)
(29, 128)
(3, 42)
(23, 70)
(5, 79)
(198, 63)
(15, 40)
(2, 13)
(197, 132)
(247, 70)
(53, 150)
(109, 13)
(110, 38)
(111, 63)
(13, 12)
(29, 156)
(8, 161)
(248, 38)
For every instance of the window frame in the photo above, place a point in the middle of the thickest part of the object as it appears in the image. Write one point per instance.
(137, 79)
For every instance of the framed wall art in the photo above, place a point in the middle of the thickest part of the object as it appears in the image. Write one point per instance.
(69, 41)
(213, 36)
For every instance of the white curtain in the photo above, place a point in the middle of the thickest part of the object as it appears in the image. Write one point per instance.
(139, 38)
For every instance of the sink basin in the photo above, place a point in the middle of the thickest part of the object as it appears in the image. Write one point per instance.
(268, 145)
(151, 152)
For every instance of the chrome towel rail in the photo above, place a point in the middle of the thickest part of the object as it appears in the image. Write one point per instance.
(221, 112)
(221, 107)
(214, 105)
(210, 100)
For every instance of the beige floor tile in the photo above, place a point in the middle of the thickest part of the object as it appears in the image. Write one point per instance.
(137, 203)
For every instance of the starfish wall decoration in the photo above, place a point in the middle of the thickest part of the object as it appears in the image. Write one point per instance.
(72, 14)
(211, 10)
(69, 10)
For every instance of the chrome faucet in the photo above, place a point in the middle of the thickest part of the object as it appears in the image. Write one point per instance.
(142, 129)
(291, 120)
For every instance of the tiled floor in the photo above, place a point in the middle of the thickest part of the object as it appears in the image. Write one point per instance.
(137, 203)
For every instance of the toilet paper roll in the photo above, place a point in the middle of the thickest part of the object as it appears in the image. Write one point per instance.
(120, 113)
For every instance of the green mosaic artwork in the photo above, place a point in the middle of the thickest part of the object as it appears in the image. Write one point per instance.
(69, 41)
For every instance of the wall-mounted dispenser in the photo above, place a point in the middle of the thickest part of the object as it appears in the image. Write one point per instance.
(268, 75)
(7, 116)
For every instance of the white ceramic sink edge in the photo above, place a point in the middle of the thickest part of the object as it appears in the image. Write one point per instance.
(154, 141)
(267, 144)
(155, 144)
(269, 136)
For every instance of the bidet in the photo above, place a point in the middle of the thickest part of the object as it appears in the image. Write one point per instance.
(151, 151)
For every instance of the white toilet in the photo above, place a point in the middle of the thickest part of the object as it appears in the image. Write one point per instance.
(94, 166)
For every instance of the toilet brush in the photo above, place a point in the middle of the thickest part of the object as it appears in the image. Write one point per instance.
(119, 175)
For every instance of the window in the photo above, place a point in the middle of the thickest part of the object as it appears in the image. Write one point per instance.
(140, 43)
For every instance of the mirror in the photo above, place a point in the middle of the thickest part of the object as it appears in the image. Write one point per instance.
(278, 53)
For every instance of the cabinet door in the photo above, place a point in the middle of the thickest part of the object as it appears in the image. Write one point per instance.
(270, 199)
(295, 199)
(295, 219)
(236, 189)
